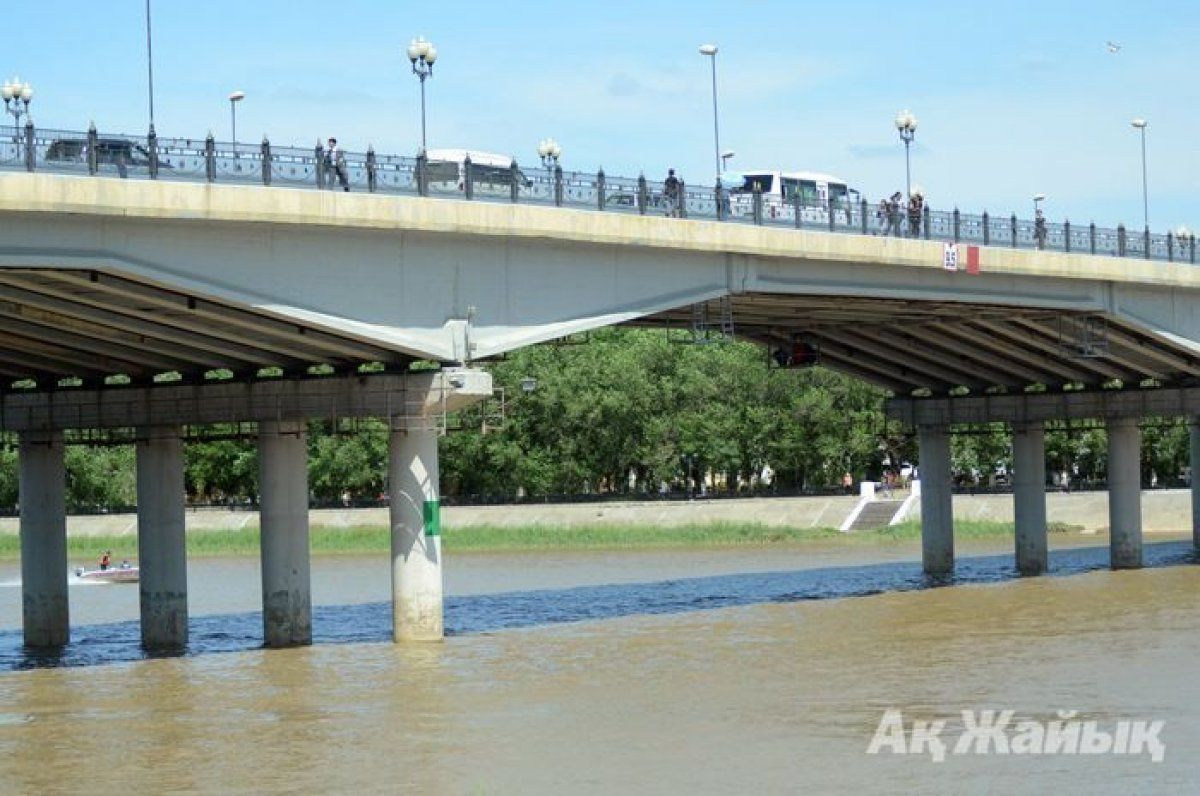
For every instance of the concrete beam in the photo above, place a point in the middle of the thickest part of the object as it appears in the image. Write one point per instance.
(1040, 407)
(416, 534)
(283, 523)
(162, 551)
(381, 395)
(1125, 493)
(1194, 429)
(43, 488)
(937, 512)
(1029, 497)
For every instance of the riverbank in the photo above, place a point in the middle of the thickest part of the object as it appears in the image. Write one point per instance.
(1163, 511)
(535, 538)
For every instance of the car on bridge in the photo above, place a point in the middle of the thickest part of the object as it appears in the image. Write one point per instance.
(120, 152)
(490, 173)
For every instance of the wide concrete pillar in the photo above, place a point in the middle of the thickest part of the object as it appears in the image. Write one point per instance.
(1029, 497)
(162, 551)
(1195, 463)
(43, 486)
(416, 534)
(1125, 493)
(283, 521)
(937, 509)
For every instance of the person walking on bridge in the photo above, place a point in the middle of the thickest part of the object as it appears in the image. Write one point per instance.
(670, 193)
(335, 164)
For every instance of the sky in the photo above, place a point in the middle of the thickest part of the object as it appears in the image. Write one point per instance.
(1012, 98)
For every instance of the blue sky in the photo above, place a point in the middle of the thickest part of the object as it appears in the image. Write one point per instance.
(1013, 98)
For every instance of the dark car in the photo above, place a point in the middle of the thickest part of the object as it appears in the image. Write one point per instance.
(119, 152)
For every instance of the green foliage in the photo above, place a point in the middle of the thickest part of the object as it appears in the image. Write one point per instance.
(222, 469)
(100, 477)
(640, 403)
(626, 411)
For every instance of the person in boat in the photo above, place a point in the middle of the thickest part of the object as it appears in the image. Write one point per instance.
(105, 560)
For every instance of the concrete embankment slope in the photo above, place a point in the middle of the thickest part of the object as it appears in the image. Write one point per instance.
(1162, 511)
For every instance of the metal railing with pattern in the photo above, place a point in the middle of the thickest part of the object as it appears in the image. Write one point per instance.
(207, 160)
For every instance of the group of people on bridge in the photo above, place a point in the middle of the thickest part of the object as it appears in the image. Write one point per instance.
(892, 214)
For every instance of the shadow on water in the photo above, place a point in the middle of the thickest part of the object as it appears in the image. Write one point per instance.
(483, 613)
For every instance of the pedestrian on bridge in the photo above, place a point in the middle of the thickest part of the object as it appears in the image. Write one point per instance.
(335, 163)
(893, 214)
(671, 193)
(916, 206)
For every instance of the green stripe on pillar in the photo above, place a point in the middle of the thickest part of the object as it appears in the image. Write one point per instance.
(433, 518)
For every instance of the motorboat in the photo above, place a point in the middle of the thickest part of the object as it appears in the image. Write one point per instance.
(126, 573)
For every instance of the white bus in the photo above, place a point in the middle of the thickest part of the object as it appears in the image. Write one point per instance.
(818, 194)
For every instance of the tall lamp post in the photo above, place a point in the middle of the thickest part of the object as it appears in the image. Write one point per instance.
(150, 64)
(710, 50)
(906, 125)
(549, 151)
(1038, 198)
(725, 158)
(234, 99)
(17, 96)
(422, 54)
(1140, 125)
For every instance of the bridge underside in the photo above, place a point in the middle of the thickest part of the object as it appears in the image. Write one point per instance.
(59, 324)
(940, 346)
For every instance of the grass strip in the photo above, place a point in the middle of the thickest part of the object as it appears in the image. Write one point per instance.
(375, 539)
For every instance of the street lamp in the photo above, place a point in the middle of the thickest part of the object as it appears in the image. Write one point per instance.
(234, 99)
(1038, 198)
(17, 96)
(725, 157)
(422, 54)
(1140, 124)
(906, 125)
(549, 151)
(710, 50)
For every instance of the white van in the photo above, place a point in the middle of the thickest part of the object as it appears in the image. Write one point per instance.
(490, 173)
(818, 194)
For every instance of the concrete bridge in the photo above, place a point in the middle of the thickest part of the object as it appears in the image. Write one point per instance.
(153, 306)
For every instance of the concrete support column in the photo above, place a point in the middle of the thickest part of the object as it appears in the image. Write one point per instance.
(416, 534)
(162, 551)
(1125, 493)
(1029, 497)
(43, 487)
(283, 488)
(937, 510)
(1195, 463)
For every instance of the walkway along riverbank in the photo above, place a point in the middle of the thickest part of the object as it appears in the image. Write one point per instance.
(1164, 510)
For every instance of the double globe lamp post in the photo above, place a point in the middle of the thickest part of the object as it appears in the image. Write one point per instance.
(422, 54)
(17, 97)
(906, 125)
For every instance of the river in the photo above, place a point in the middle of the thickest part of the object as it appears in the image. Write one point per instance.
(731, 671)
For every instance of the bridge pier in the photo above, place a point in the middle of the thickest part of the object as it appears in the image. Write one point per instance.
(416, 533)
(937, 509)
(1029, 497)
(283, 519)
(1124, 493)
(162, 551)
(43, 487)
(1194, 431)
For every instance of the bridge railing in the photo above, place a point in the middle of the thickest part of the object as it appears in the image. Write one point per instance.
(209, 160)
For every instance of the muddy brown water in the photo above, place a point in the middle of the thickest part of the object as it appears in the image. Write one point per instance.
(741, 671)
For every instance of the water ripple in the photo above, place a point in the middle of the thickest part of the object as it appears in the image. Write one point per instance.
(350, 624)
